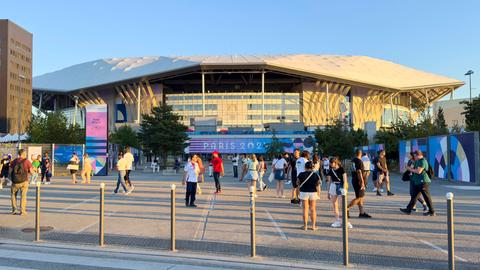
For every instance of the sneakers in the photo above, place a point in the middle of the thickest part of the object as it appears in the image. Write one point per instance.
(193, 205)
(364, 215)
(336, 224)
(288, 182)
(130, 190)
(390, 193)
(381, 190)
(349, 225)
(425, 208)
(406, 211)
(378, 193)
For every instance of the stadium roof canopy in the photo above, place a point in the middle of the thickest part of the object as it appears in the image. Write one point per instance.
(357, 70)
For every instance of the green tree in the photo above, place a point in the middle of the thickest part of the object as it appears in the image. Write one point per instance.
(339, 139)
(472, 114)
(274, 148)
(161, 133)
(125, 136)
(53, 128)
(439, 123)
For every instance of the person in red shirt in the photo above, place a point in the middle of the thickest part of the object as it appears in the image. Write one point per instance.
(217, 171)
(20, 169)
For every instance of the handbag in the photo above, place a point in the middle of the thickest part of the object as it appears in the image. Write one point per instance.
(271, 177)
(406, 176)
(72, 167)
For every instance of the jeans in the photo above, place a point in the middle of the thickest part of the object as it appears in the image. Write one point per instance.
(190, 194)
(121, 181)
(216, 176)
(424, 190)
(44, 175)
(34, 178)
(235, 171)
(412, 187)
(127, 177)
(14, 191)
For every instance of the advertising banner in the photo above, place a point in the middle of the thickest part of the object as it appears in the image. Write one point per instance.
(96, 142)
(462, 157)
(63, 153)
(35, 151)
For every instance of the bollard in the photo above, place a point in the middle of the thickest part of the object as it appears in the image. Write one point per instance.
(253, 234)
(101, 237)
(37, 214)
(345, 229)
(172, 218)
(451, 237)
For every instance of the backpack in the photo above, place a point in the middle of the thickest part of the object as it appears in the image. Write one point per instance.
(430, 172)
(19, 175)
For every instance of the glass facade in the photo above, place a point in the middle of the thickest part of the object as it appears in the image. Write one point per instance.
(398, 113)
(237, 109)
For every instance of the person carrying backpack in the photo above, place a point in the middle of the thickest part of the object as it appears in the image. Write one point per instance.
(421, 184)
(20, 169)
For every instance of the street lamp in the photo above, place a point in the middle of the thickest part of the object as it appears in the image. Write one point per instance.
(469, 74)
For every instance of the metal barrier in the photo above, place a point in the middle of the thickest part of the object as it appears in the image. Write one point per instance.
(451, 236)
(345, 229)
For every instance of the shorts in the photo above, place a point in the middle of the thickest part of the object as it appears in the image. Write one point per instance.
(279, 174)
(311, 196)
(336, 189)
(359, 192)
(253, 175)
(73, 171)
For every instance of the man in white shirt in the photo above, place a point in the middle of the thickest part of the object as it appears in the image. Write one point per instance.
(129, 159)
(190, 178)
(122, 167)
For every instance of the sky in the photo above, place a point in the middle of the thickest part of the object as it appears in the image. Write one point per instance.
(438, 36)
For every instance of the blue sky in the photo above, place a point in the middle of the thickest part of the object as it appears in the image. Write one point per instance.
(438, 36)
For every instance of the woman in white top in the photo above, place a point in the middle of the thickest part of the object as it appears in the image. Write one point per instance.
(252, 167)
(278, 169)
(73, 165)
(262, 167)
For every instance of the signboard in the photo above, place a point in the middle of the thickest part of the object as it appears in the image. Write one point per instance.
(35, 151)
(96, 142)
(247, 145)
(63, 153)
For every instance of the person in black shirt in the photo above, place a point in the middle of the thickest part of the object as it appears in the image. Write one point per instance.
(5, 165)
(309, 184)
(358, 183)
(337, 186)
(293, 171)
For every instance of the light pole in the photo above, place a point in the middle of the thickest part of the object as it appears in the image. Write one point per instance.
(469, 74)
(75, 98)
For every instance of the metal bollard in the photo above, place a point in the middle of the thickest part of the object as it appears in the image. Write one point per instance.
(172, 218)
(451, 236)
(345, 229)
(253, 234)
(37, 213)
(101, 222)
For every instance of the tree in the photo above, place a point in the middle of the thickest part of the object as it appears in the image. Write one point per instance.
(124, 136)
(439, 123)
(161, 133)
(339, 139)
(274, 148)
(472, 114)
(53, 128)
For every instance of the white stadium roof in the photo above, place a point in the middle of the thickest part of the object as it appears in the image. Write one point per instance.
(356, 69)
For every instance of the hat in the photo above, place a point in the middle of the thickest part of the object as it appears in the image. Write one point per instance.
(215, 152)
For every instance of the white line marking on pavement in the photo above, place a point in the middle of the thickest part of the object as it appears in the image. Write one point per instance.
(464, 187)
(204, 218)
(441, 250)
(95, 223)
(76, 204)
(284, 237)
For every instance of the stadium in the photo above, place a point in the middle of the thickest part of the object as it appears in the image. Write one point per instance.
(244, 92)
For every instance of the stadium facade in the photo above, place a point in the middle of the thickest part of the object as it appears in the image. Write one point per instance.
(241, 91)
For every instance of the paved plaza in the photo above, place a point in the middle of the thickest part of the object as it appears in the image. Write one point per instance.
(219, 228)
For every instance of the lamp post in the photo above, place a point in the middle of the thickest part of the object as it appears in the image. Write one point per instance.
(469, 74)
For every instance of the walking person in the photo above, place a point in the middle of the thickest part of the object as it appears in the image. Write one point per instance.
(19, 170)
(36, 169)
(86, 172)
(299, 168)
(358, 183)
(73, 165)
(407, 176)
(366, 168)
(383, 174)
(316, 165)
(252, 166)
(337, 186)
(244, 167)
(122, 171)
(5, 163)
(309, 185)
(190, 178)
(421, 184)
(235, 166)
(201, 174)
(130, 159)
(325, 166)
(278, 169)
(288, 168)
(262, 168)
(293, 176)
(46, 169)
(218, 171)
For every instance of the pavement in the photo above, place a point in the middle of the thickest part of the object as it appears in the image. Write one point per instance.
(217, 233)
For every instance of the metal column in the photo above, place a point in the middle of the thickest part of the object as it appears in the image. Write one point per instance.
(263, 98)
(203, 94)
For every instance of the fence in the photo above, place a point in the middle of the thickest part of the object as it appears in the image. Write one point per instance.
(455, 157)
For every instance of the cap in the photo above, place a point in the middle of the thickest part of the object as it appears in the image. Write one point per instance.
(215, 152)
